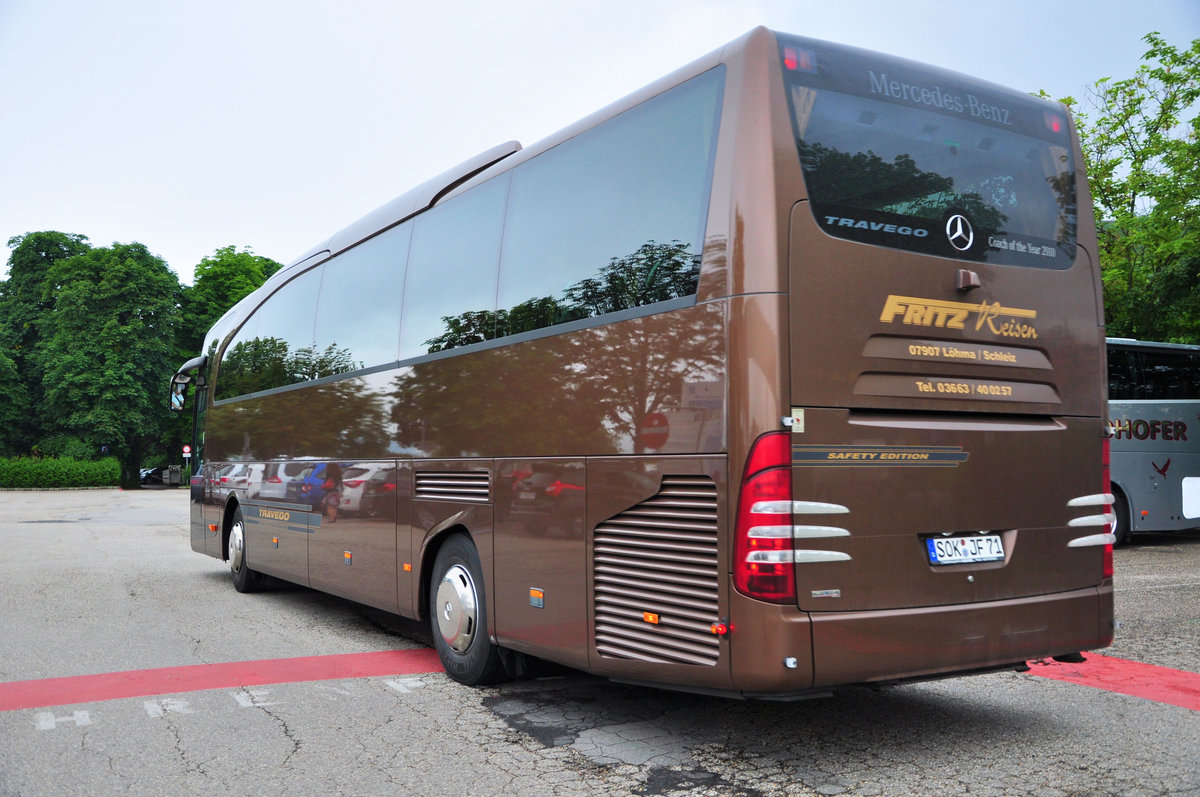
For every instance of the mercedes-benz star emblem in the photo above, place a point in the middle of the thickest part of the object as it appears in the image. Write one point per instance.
(960, 232)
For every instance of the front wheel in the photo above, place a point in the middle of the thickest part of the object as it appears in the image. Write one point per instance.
(244, 579)
(458, 614)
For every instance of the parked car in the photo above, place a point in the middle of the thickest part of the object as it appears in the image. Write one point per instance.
(276, 478)
(244, 478)
(379, 493)
(354, 484)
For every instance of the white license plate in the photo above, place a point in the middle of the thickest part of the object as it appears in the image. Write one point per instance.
(527, 495)
(962, 550)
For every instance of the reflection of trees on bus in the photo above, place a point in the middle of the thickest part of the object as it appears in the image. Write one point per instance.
(865, 180)
(343, 418)
(265, 363)
(1063, 185)
(654, 273)
(605, 379)
(339, 417)
(637, 370)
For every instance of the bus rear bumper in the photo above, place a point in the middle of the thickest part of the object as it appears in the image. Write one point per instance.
(902, 644)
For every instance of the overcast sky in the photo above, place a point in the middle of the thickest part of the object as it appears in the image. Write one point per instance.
(271, 124)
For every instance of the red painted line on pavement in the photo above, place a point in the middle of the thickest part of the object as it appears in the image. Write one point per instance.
(1160, 684)
(196, 677)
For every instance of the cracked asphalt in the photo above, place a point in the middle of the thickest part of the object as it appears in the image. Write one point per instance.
(105, 581)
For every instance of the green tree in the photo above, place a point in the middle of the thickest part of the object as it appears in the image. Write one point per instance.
(1141, 143)
(22, 307)
(219, 281)
(107, 348)
(14, 402)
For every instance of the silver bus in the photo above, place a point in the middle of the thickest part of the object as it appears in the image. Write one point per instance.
(1154, 418)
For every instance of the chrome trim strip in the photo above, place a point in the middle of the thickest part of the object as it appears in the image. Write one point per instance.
(811, 557)
(1098, 499)
(769, 532)
(1093, 540)
(1106, 519)
(771, 557)
(797, 508)
(817, 532)
(796, 557)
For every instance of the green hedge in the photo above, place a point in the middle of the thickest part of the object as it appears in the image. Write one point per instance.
(27, 473)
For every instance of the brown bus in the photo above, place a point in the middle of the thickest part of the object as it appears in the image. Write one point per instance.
(782, 373)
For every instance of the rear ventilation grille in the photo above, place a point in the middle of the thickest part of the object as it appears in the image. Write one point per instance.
(471, 486)
(656, 577)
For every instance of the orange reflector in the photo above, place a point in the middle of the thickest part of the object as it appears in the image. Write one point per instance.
(650, 617)
(1145, 512)
(407, 567)
(212, 527)
(347, 556)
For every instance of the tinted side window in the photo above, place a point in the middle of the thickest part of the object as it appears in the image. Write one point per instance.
(1122, 375)
(358, 313)
(613, 218)
(450, 290)
(1171, 375)
(275, 346)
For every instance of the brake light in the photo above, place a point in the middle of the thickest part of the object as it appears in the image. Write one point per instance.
(797, 60)
(1106, 478)
(274, 480)
(354, 484)
(764, 565)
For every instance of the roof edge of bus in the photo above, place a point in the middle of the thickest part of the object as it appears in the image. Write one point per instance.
(1151, 344)
(627, 102)
(432, 191)
(410, 202)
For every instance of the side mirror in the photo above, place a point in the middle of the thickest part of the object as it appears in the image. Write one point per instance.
(178, 396)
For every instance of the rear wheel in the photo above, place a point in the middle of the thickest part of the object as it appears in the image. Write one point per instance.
(458, 614)
(1121, 528)
(244, 579)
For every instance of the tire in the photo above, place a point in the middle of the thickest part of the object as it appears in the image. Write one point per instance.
(244, 579)
(458, 615)
(1121, 529)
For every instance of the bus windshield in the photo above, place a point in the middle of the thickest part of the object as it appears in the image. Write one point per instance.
(907, 156)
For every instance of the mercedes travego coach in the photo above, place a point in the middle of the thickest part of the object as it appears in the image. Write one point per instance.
(782, 373)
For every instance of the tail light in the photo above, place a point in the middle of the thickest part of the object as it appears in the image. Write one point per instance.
(1106, 476)
(764, 563)
(354, 484)
(274, 480)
